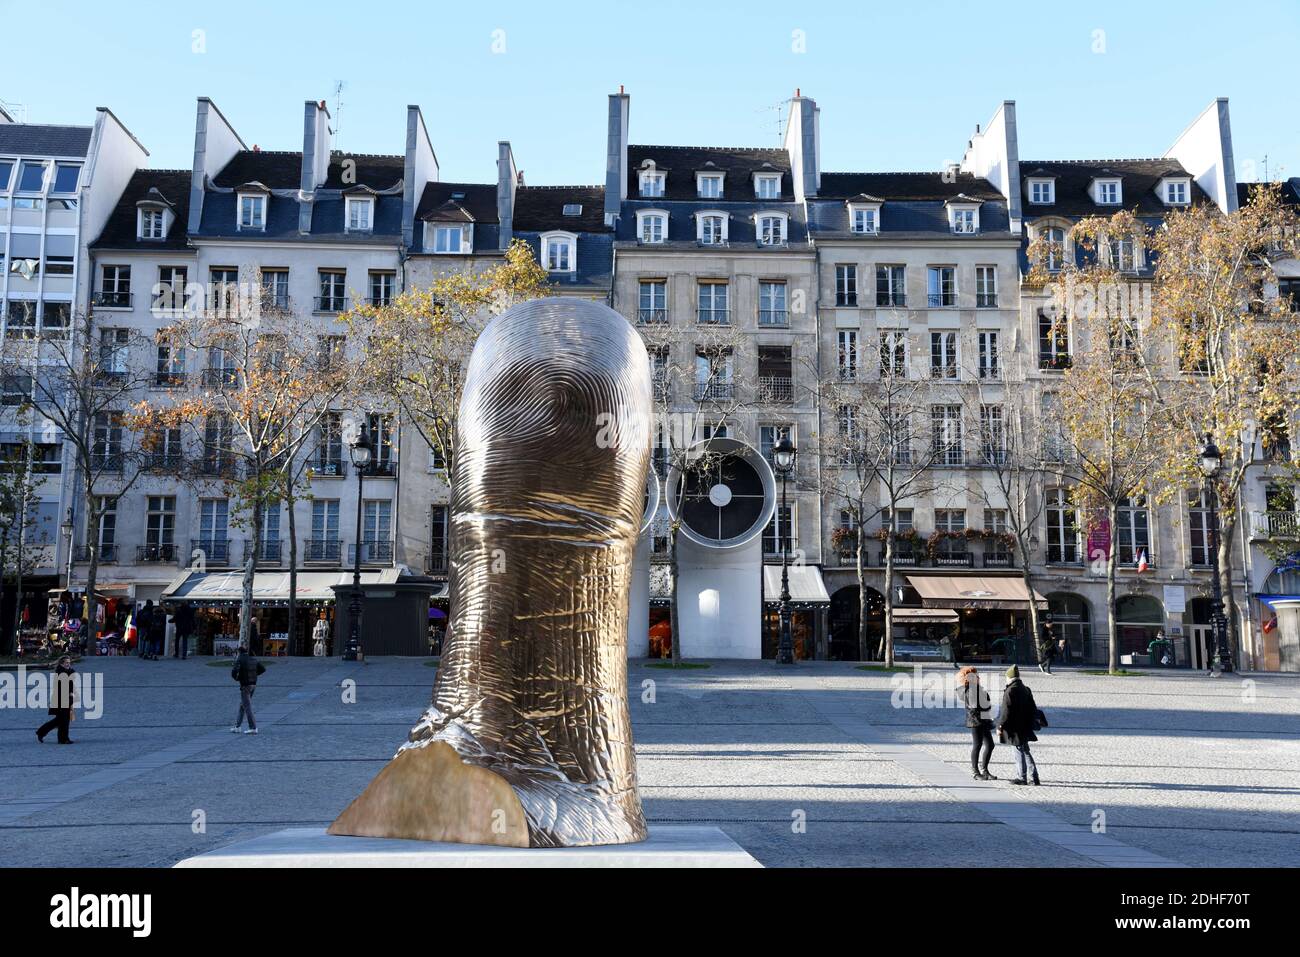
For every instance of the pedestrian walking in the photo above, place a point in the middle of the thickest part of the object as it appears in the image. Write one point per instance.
(1017, 721)
(158, 633)
(63, 698)
(184, 621)
(144, 630)
(978, 710)
(1046, 649)
(245, 671)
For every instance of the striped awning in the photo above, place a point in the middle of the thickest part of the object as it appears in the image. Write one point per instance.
(973, 591)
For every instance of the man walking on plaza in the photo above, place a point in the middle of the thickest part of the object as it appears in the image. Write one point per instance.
(245, 671)
(61, 706)
(1016, 723)
(184, 621)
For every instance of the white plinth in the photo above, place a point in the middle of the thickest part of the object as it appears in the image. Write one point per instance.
(670, 846)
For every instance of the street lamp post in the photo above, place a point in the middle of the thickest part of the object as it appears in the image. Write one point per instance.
(783, 456)
(1211, 461)
(69, 528)
(360, 452)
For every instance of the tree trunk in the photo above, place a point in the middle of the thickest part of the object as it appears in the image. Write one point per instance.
(1112, 627)
(293, 568)
(1027, 576)
(675, 615)
(250, 567)
(92, 574)
(864, 647)
(888, 639)
(1230, 611)
(18, 567)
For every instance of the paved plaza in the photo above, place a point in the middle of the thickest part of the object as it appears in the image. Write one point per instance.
(809, 765)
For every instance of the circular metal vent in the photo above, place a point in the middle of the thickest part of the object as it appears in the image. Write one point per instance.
(727, 498)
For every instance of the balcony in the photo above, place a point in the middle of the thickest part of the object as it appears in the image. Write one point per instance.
(940, 300)
(435, 563)
(949, 456)
(107, 553)
(163, 462)
(773, 317)
(269, 552)
(329, 465)
(168, 380)
(211, 551)
(112, 300)
(163, 553)
(330, 304)
(323, 551)
(110, 463)
(652, 317)
(991, 456)
(772, 549)
(1274, 526)
(953, 559)
(381, 468)
(713, 391)
(777, 389)
(274, 300)
(714, 317)
(947, 372)
(220, 378)
(373, 553)
(1054, 361)
(895, 301)
(997, 560)
(219, 466)
(379, 302)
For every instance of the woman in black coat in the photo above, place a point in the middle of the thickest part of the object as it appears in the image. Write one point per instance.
(977, 703)
(1016, 724)
(63, 698)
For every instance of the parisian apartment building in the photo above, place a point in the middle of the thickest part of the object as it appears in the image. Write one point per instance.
(798, 276)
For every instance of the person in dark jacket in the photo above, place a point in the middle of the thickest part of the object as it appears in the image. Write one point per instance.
(254, 637)
(61, 706)
(184, 620)
(1016, 724)
(158, 633)
(245, 671)
(144, 630)
(978, 706)
(1046, 648)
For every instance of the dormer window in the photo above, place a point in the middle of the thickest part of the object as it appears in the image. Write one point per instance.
(252, 211)
(964, 219)
(152, 224)
(1178, 192)
(771, 229)
(767, 185)
(450, 240)
(651, 226)
(559, 252)
(711, 228)
(360, 214)
(652, 183)
(1107, 192)
(708, 185)
(1042, 192)
(864, 219)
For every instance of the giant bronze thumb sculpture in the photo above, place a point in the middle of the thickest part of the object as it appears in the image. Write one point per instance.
(528, 741)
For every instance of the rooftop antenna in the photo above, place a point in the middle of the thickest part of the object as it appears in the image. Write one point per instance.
(1266, 179)
(338, 111)
(17, 111)
(779, 109)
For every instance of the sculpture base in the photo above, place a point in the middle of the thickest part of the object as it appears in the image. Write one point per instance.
(667, 846)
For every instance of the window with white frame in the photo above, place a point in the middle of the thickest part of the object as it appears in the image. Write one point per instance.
(651, 226)
(990, 355)
(945, 432)
(1133, 524)
(1054, 238)
(449, 239)
(252, 211)
(559, 252)
(152, 224)
(1106, 192)
(360, 214)
(964, 219)
(771, 229)
(941, 287)
(848, 355)
(1042, 192)
(708, 185)
(865, 219)
(1123, 253)
(846, 284)
(1062, 528)
(986, 287)
(891, 285)
(652, 183)
(893, 352)
(767, 185)
(653, 303)
(1177, 192)
(943, 354)
(711, 228)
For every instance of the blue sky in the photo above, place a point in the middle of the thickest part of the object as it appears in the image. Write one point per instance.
(901, 85)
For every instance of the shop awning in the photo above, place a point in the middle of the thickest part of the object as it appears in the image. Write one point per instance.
(924, 616)
(806, 584)
(973, 591)
(269, 588)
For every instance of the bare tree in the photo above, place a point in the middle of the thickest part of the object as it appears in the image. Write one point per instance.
(20, 526)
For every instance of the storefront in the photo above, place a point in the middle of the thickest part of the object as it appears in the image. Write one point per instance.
(809, 605)
(991, 612)
(1139, 620)
(217, 596)
(1279, 605)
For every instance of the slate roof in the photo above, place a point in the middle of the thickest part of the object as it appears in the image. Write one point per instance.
(1139, 179)
(739, 163)
(479, 200)
(283, 169)
(1290, 191)
(173, 186)
(541, 209)
(905, 186)
(35, 139)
